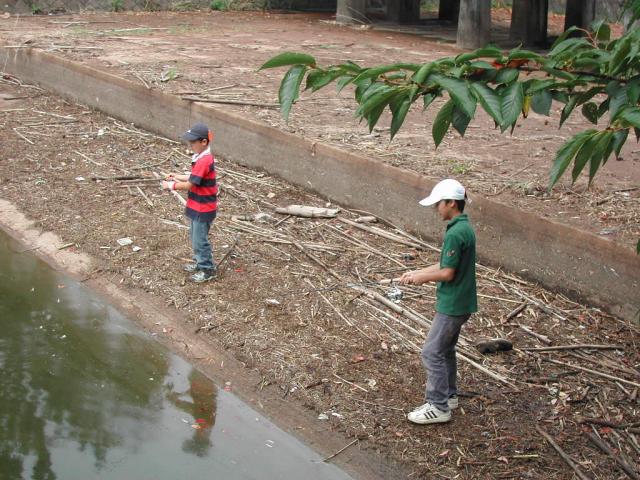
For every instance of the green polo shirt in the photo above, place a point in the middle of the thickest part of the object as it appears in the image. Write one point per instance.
(458, 297)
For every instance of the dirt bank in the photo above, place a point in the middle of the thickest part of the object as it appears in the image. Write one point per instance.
(282, 307)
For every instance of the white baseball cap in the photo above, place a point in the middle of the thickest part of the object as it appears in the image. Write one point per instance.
(448, 189)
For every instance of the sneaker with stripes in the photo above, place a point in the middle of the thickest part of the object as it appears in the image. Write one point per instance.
(427, 414)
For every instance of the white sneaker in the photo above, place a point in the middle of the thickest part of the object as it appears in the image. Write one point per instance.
(427, 414)
(453, 404)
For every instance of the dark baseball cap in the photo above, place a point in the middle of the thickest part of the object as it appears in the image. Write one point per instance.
(198, 131)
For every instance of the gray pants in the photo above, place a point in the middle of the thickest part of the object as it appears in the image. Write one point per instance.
(439, 359)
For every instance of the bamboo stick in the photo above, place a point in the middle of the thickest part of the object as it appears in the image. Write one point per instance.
(604, 446)
(595, 372)
(568, 460)
(577, 346)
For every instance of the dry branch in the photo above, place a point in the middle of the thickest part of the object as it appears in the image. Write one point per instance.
(568, 460)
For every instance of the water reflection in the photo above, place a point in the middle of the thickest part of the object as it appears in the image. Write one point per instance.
(85, 395)
(69, 368)
(201, 405)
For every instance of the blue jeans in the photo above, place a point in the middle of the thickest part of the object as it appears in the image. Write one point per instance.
(439, 358)
(202, 252)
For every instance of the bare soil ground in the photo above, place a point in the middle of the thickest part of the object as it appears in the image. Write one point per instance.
(296, 302)
(216, 55)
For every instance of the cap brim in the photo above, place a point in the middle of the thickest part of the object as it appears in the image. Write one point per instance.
(189, 137)
(428, 201)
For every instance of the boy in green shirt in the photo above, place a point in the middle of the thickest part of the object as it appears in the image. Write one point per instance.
(456, 300)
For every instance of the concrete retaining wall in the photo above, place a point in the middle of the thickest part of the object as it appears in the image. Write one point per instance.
(69, 6)
(556, 255)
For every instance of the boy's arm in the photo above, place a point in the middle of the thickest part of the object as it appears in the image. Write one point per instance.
(432, 273)
(172, 185)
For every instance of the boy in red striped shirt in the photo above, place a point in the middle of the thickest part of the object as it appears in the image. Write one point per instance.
(202, 203)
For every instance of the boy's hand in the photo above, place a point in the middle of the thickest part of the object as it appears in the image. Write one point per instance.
(408, 278)
(170, 176)
(168, 185)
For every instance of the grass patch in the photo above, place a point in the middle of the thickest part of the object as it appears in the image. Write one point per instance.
(185, 29)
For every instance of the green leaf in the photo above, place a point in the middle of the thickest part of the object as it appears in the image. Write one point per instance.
(480, 65)
(290, 88)
(460, 120)
(442, 122)
(590, 111)
(489, 100)
(320, 78)
(569, 44)
(617, 101)
(541, 102)
(595, 150)
(396, 76)
(525, 55)
(559, 73)
(511, 105)
(289, 58)
(421, 75)
(619, 139)
(375, 72)
(507, 76)
(349, 66)
(566, 153)
(399, 111)
(568, 108)
(598, 155)
(381, 97)
(459, 92)
(609, 147)
(633, 90)
(343, 82)
(602, 109)
(564, 35)
(427, 99)
(485, 52)
(583, 155)
(620, 52)
(601, 30)
(535, 85)
(631, 115)
(373, 115)
(366, 88)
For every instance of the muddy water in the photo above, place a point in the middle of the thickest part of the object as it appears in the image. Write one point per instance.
(85, 395)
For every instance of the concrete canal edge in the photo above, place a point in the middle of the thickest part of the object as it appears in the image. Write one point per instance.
(560, 257)
(204, 352)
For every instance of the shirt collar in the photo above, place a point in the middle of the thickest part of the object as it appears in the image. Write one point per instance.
(460, 218)
(197, 156)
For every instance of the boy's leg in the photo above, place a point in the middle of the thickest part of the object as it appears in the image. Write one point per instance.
(436, 357)
(451, 360)
(201, 247)
(193, 250)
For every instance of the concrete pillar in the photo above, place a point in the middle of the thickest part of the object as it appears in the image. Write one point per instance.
(579, 13)
(529, 21)
(474, 23)
(351, 11)
(403, 11)
(449, 10)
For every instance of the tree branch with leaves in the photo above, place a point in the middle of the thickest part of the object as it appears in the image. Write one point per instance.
(585, 70)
